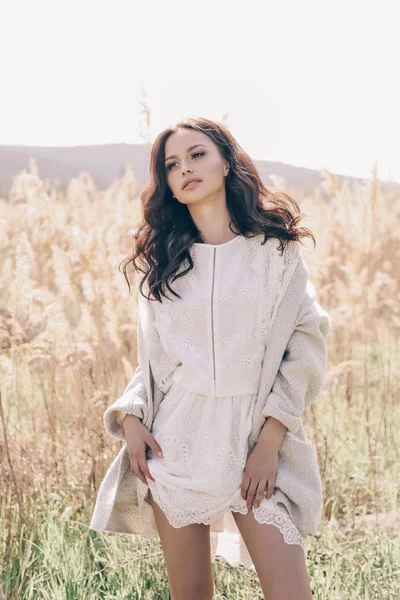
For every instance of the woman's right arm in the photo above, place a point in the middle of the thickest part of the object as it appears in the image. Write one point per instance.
(132, 402)
(134, 399)
(123, 419)
(137, 436)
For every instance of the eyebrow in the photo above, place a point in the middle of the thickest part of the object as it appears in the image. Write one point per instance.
(188, 150)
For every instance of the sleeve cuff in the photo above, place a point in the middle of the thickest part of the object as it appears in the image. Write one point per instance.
(275, 407)
(115, 413)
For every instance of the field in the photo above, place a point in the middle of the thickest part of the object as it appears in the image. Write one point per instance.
(68, 347)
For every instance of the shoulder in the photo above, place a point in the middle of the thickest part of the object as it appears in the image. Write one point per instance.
(284, 261)
(280, 269)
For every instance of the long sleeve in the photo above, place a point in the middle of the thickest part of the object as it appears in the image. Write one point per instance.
(303, 367)
(151, 356)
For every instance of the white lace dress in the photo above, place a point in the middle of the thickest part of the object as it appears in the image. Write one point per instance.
(210, 376)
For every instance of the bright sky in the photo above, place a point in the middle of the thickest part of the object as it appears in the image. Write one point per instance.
(311, 83)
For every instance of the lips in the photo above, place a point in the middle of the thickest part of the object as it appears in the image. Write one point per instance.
(190, 181)
(191, 185)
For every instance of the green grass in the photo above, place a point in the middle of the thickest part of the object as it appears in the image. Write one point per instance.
(56, 557)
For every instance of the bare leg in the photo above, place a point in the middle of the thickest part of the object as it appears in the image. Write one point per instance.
(187, 556)
(281, 567)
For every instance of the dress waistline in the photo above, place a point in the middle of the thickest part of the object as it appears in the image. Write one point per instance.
(179, 385)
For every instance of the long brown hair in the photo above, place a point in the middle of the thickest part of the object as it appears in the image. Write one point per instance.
(166, 231)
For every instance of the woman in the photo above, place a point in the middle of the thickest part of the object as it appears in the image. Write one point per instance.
(231, 349)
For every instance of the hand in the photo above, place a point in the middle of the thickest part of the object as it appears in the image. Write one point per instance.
(261, 468)
(137, 436)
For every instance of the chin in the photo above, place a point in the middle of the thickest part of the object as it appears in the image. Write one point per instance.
(193, 198)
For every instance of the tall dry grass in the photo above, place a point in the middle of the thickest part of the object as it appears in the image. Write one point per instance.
(68, 347)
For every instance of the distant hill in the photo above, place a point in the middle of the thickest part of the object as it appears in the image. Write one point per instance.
(107, 161)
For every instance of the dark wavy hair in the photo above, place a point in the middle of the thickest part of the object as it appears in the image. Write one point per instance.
(167, 231)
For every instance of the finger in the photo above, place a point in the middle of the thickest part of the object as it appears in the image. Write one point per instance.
(144, 467)
(271, 483)
(136, 470)
(250, 494)
(141, 476)
(244, 487)
(260, 492)
(132, 463)
(150, 441)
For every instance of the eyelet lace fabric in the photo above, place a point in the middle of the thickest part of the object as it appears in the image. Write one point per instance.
(226, 297)
(205, 446)
(209, 375)
(212, 365)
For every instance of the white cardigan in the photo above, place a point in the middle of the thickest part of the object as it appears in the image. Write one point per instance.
(292, 374)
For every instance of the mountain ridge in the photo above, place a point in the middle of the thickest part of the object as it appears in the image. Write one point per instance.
(105, 162)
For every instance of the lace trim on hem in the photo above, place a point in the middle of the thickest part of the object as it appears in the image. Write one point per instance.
(263, 515)
(277, 517)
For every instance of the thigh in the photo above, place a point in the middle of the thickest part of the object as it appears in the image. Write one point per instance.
(281, 567)
(187, 555)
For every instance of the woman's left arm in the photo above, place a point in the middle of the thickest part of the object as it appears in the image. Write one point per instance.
(303, 368)
(299, 379)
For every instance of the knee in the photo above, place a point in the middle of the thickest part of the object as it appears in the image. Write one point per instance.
(201, 590)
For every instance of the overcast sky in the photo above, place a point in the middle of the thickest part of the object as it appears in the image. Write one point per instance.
(311, 83)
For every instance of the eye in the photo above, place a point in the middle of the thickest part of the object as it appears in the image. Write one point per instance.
(195, 154)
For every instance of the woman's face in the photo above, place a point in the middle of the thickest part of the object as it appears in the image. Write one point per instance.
(191, 153)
